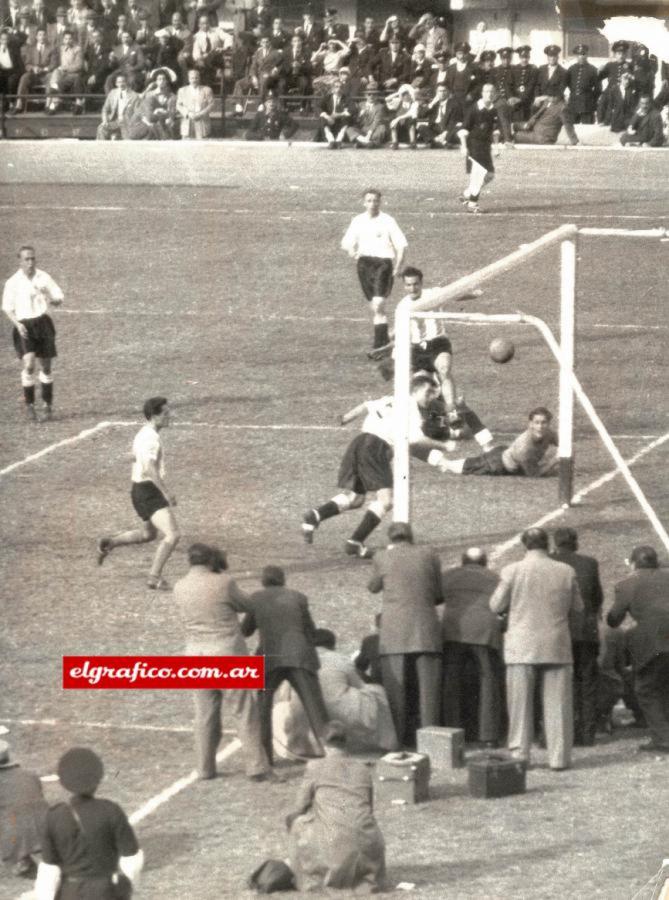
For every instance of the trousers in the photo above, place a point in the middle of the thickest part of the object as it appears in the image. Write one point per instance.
(557, 696)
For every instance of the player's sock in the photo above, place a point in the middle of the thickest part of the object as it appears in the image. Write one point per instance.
(369, 522)
(482, 435)
(46, 383)
(381, 336)
(28, 384)
(327, 510)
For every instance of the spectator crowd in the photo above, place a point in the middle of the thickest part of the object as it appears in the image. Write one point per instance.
(387, 82)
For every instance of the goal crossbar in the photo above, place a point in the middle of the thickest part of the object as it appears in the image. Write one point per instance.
(564, 352)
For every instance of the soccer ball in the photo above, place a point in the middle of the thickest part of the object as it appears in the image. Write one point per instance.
(501, 350)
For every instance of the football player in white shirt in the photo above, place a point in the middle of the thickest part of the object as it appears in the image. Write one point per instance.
(25, 302)
(376, 241)
(366, 467)
(152, 500)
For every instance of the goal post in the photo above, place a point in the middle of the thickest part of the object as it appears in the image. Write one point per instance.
(564, 353)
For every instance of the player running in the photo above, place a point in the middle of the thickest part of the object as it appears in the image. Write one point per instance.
(376, 241)
(151, 498)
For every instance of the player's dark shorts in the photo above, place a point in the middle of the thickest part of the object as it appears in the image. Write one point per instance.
(480, 152)
(147, 499)
(489, 463)
(376, 276)
(424, 354)
(367, 465)
(41, 338)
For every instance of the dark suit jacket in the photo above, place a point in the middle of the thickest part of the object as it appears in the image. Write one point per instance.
(583, 85)
(525, 82)
(285, 627)
(385, 68)
(410, 578)
(584, 625)
(645, 596)
(467, 617)
(551, 83)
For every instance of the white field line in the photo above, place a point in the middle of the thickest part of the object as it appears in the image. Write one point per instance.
(101, 426)
(291, 214)
(86, 433)
(109, 726)
(178, 786)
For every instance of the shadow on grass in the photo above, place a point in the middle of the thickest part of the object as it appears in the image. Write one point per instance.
(442, 873)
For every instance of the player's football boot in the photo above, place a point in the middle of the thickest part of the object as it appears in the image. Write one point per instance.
(47, 413)
(31, 415)
(473, 207)
(103, 550)
(158, 584)
(464, 198)
(309, 525)
(355, 548)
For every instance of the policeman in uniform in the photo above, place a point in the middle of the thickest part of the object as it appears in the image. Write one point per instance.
(89, 850)
(611, 72)
(503, 80)
(583, 84)
(525, 76)
(552, 77)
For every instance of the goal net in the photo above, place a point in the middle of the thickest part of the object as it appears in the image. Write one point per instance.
(566, 237)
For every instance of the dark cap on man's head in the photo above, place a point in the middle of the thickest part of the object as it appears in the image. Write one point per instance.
(524, 50)
(620, 47)
(552, 50)
(463, 47)
(505, 52)
(80, 771)
(644, 557)
(487, 56)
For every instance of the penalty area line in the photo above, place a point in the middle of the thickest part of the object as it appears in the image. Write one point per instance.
(66, 442)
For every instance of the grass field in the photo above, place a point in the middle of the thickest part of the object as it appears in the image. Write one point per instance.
(226, 292)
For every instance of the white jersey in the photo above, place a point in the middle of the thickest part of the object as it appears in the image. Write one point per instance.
(378, 236)
(380, 420)
(147, 448)
(27, 298)
(428, 329)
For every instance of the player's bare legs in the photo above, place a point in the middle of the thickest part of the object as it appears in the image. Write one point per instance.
(380, 321)
(164, 521)
(143, 535)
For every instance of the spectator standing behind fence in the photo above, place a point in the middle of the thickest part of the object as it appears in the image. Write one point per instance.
(119, 107)
(584, 634)
(583, 84)
(645, 596)
(539, 594)
(410, 578)
(208, 600)
(472, 632)
(194, 104)
(645, 128)
(89, 849)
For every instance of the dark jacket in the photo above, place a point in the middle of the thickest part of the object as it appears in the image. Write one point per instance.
(285, 627)
(645, 596)
(467, 616)
(386, 68)
(551, 83)
(410, 578)
(584, 625)
(583, 85)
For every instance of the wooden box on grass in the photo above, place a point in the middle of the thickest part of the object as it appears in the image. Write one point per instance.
(496, 775)
(402, 778)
